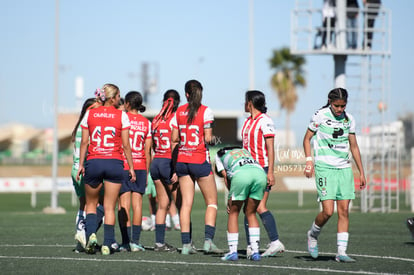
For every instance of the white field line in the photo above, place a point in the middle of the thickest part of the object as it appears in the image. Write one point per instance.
(286, 251)
(204, 263)
(330, 270)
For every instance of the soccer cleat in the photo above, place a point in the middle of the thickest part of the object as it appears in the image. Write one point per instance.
(344, 259)
(80, 236)
(79, 248)
(136, 247)
(91, 245)
(177, 227)
(410, 225)
(273, 249)
(105, 250)
(255, 257)
(125, 248)
(164, 248)
(115, 247)
(312, 246)
(231, 256)
(249, 252)
(210, 248)
(188, 248)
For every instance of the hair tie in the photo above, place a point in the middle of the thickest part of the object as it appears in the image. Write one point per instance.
(99, 93)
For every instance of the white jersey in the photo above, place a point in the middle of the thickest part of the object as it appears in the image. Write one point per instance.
(331, 143)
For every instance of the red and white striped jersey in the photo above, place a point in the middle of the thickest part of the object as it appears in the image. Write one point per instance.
(254, 132)
(105, 125)
(162, 139)
(139, 132)
(192, 147)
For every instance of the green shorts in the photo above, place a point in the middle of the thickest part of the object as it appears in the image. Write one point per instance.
(248, 183)
(78, 185)
(335, 184)
(150, 190)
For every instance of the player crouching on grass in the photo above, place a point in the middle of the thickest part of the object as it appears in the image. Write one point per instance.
(246, 181)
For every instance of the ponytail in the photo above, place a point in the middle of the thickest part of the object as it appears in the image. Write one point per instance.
(194, 90)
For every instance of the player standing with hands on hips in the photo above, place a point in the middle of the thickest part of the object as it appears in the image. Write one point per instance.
(105, 135)
(333, 131)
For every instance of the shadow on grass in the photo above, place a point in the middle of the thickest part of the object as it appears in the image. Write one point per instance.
(319, 259)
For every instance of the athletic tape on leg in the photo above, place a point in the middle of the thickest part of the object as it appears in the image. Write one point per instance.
(212, 205)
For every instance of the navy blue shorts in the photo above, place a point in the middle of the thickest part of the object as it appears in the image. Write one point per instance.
(192, 169)
(161, 170)
(138, 186)
(99, 170)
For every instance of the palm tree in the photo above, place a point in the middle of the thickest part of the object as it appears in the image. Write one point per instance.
(288, 76)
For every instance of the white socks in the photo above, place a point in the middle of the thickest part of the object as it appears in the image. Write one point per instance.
(176, 219)
(342, 242)
(315, 230)
(168, 220)
(254, 238)
(233, 241)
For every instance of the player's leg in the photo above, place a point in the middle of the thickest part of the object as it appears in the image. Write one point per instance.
(136, 222)
(92, 197)
(269, 222)
(80, 234)
(138, 189)
(172, 210)
(346, 192)
(187, 198)
(254, 228)
(160, 225)
(233, 231)
(124, 206)
(343, 235)
(209, 190)
(110, 200)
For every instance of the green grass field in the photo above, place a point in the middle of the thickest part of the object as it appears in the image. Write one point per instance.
(35, 243)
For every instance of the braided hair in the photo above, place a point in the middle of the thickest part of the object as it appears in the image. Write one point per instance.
(170, 104)
(337, 94)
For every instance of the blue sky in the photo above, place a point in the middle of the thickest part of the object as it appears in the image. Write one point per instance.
(107, 41)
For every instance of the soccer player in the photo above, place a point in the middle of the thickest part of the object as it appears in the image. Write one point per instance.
(246, 181)
(131, 191)
(258, 135)
(192, 129)
(333, 131)
(105, 134)
(78, 185)
(162, 170)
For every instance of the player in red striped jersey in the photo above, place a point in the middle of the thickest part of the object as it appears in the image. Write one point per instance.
(258, 135)
(162, 170)
(192, 129)
(105, 134)
(131, 192)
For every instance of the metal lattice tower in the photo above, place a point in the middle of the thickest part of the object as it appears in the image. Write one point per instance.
(366, 72)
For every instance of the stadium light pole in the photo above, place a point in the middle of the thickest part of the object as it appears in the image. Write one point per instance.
(53, 208)
(251, 44)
